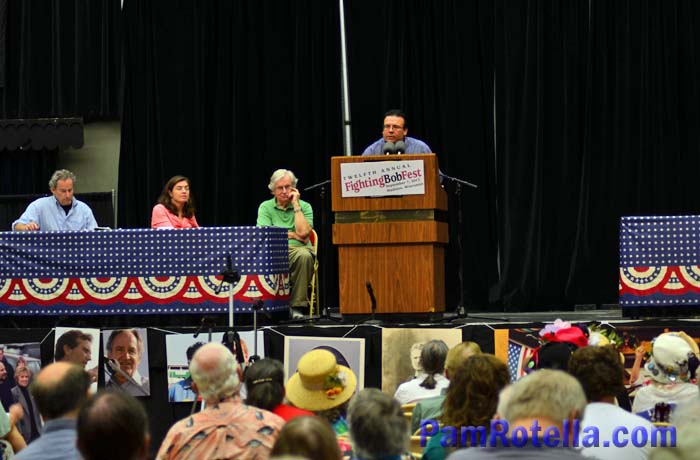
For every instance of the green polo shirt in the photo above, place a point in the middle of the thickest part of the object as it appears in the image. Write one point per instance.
(271, 215)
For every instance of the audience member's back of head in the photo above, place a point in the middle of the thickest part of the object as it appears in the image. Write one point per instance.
(59, 389)
(458, 354)
(432, 358)
(546, 393)
(599, 371)
(113, 425)
(377, 425)
(308, 437)
(264, 382)
(215, 372)
(472, 396)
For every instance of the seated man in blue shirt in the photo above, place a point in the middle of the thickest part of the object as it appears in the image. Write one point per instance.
(395, 130)
(58, 212)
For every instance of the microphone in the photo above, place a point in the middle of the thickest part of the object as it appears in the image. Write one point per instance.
(370, 291)
(111, 365)
(400, 147)
(388, 148)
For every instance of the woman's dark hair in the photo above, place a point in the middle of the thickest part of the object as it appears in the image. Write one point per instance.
(432, 358)
(264, 382)
(308, 437)
(188, 209)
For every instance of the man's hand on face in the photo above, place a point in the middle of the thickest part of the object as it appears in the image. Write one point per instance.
(295, 195)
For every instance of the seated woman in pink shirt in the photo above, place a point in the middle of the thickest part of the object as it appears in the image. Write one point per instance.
(175, 208)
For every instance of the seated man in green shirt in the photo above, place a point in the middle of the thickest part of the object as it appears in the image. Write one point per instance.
(286, 210)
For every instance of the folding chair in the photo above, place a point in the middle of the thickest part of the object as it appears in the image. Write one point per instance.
(314, 297)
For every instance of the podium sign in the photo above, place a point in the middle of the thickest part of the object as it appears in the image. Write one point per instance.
(383, 178)
(395, 241)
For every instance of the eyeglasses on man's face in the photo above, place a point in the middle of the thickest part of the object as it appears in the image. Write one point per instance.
(393, 127)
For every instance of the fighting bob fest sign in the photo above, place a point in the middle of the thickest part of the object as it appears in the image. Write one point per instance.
(382, 178)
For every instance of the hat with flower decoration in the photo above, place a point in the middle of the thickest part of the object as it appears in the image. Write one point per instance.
(320, 383)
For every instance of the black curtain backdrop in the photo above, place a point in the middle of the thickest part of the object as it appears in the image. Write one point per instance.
(62, 59)
(595, 119)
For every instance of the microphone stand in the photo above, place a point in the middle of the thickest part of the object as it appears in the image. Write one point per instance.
(258, 306)
(461, 309)
(372, 321)
(325, 311)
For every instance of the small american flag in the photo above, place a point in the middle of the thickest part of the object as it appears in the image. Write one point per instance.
(518, 354)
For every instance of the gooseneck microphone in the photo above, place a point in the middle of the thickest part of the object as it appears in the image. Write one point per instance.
(372, 299)
(389, 148)
(400, 147)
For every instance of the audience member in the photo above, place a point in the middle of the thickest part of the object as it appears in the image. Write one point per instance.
(432, 381)
(286, 209)
(30, 424)
(378, 428)
(471, 400)
(175, 207)
(686, 420)
(431, 408)
(601, 375)
(669, 369)
(307, 437)
(181, 391)
(113, 425)
(125, 347)
(553, 399)
(323, 386)
(59, 390)
(62, 211)
(394, 134)
(226, 428)
(264, 382)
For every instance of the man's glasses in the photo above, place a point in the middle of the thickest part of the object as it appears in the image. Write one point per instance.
(283, 188)
(394, 127)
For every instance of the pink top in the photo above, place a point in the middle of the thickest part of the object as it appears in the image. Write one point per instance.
(162, 218)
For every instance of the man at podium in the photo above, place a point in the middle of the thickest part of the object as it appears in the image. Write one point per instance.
(394, 139)
(287, 210)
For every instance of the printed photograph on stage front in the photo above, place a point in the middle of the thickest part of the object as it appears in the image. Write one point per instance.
(348, 352)
(179, 349)
(401, 350)
(80, 346)
(126, 364)
(19, 364)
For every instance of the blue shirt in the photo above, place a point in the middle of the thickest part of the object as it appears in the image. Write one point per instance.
(413, 145)
(56, 442)
(49, 214)
(182, 391)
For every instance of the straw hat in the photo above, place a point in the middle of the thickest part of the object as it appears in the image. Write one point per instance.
(670, 356)
(320, 383)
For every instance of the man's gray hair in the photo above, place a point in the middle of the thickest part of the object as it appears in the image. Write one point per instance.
(377, 425)
(216, 375)
(546, 393)
(61, 174)
(278, 175)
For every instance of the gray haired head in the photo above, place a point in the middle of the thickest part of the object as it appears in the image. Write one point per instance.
(278, 175)
(61, 174)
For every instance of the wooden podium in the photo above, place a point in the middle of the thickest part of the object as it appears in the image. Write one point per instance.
(396, 243)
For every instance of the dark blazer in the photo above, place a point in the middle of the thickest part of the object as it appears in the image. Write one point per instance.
(24, 425)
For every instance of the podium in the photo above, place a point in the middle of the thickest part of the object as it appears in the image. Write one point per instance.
(396, 243)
